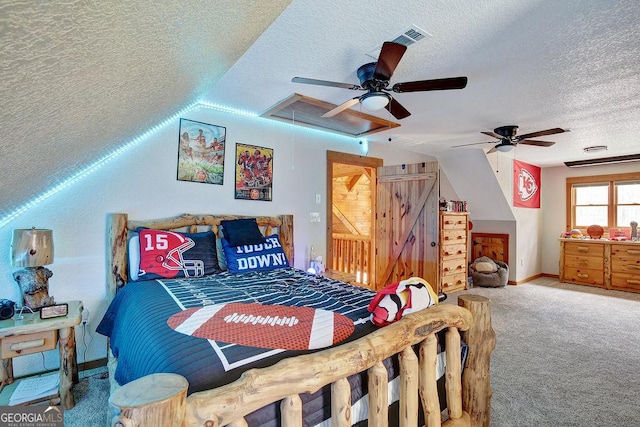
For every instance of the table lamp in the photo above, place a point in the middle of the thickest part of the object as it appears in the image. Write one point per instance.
(33, 249)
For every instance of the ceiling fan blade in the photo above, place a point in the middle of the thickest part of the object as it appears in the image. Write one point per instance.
(389, 58)
(542, 133)
(396, 109)
(434, 84)
(325, 83)
(493, 134)
(536, 142)
(342, 107)
(473, 143)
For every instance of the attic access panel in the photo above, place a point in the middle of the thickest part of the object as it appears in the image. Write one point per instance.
(306, 111)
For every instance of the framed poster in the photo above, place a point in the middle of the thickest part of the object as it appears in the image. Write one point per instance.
(201, 152)
(254, 172)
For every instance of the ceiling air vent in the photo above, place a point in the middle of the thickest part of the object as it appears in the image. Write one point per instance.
(407, 38)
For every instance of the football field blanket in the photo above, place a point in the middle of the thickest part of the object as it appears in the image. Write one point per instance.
(162, 326)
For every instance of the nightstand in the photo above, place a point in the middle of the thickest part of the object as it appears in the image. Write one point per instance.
(19, 337)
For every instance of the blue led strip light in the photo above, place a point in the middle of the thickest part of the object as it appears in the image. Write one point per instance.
(82, 173)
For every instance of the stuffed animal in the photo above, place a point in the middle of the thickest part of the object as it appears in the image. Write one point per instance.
(398, 299)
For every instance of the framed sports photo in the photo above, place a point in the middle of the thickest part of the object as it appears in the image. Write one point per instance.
(254, 172)
(201, 152)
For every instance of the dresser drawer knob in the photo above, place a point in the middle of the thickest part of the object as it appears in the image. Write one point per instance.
(583, 275)
(633, 252)
(583, 249)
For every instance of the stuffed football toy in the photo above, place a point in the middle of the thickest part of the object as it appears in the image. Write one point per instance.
(398, 299)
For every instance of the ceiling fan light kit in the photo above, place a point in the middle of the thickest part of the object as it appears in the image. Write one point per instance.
(374, 100)
(504, 148)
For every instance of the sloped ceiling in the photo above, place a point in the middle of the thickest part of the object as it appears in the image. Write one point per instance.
(79, 78)
(538, 64)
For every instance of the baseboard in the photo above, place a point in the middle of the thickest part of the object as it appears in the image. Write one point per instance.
(92, 364)
(528, 279)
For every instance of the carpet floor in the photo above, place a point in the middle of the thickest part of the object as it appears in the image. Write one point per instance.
(565, 355)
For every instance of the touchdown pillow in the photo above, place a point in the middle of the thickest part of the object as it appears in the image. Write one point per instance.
(264, 256)
(169, 254)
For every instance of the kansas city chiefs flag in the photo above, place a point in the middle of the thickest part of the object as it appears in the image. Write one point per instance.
(526, 185)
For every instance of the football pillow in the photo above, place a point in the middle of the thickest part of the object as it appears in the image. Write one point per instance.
(169, 254)
(263, 256)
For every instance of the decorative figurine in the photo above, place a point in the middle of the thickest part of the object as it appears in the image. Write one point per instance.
(634, 231)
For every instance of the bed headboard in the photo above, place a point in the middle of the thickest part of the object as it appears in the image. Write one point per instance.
(119, 226)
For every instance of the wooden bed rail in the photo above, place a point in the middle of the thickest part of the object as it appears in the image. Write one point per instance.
(468, 395)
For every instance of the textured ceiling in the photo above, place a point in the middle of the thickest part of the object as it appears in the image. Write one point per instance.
(81, 77)
(538, 64)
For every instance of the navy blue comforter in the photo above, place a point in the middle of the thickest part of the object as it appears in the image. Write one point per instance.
(136, 323)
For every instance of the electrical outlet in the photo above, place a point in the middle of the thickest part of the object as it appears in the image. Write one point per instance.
(85, 317)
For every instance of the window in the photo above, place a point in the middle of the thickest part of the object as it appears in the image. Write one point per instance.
(611, 201)
(627, 198)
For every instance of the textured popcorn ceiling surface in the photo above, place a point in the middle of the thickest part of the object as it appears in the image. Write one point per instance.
(81, 77)
(538, 64)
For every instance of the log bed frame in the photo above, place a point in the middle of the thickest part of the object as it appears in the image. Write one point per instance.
(468, 395)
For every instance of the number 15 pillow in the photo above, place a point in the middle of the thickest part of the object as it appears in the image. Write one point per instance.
(169, 254)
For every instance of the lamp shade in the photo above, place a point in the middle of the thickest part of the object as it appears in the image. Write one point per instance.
(31, 247)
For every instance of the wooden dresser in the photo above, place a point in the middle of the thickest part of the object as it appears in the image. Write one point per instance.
(602, 263)
(453, 257)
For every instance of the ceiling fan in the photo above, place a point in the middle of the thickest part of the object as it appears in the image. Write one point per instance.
(509, 138)
(374, 78)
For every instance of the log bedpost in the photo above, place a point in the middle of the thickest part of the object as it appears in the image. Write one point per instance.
(157, 400)
(69, 366)
(476, 384)
(286, 237)
(117, 234)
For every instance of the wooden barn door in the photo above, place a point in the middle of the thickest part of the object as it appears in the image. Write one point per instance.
(407, 223)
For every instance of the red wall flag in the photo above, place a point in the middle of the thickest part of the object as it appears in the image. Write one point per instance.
(526, 185)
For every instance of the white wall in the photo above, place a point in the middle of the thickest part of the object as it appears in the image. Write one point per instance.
(143, 183)
(554, 206)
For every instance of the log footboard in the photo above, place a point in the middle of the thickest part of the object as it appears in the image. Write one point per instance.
(468, 396)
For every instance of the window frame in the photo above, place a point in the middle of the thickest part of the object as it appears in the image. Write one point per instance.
(612, 210)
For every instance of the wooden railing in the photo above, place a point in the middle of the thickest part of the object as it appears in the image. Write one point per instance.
(352, 254)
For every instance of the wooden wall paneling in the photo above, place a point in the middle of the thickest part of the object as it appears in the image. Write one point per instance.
(495, 246)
